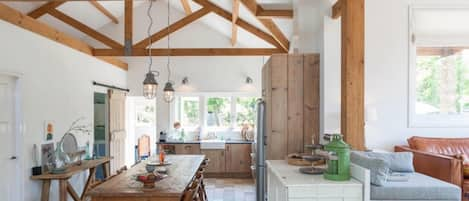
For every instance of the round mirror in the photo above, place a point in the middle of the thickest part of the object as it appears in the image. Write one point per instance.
(69, 144)
(69, 148)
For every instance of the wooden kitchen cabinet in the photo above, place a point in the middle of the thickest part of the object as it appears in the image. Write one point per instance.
(290, 89)
(187, 149)
(217, 160)
(238, 159)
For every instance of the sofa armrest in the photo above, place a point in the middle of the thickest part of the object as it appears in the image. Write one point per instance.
(442, 167)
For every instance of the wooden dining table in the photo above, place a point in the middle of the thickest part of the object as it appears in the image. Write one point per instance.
(124, 187)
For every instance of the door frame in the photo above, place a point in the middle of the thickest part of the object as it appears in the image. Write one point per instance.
(18, 132)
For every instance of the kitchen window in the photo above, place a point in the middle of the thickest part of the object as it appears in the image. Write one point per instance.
(219, 113)
(188, 111)
(214, 112)
(439, 67)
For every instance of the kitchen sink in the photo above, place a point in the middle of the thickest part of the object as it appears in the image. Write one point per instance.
(212, 144)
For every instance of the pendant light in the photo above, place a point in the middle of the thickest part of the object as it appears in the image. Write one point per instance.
(150, 85)
(168, 88)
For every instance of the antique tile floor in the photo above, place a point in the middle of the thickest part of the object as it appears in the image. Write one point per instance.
(230, 189)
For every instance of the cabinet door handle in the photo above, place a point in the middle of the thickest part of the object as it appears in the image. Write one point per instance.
(187, 147)
(222, 153)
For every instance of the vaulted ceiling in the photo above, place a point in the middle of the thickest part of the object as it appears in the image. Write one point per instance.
(267, 25)
(115, 28)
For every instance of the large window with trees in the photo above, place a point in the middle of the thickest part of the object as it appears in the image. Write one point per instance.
(214, 112)
(439, 67)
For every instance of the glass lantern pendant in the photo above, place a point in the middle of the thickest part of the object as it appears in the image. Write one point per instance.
(168, 92)
(150, 86)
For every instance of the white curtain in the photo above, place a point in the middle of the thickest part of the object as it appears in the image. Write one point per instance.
(117, 129)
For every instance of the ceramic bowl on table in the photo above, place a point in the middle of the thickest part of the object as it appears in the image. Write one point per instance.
(150, 167)
(149, 179)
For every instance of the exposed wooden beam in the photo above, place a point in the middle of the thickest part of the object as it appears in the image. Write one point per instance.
(85, 29)
(17, 18)
(172, 28)
(42, 10)
(186, 6)
(234, 18)
(263, 13)
(252, 6)
(192, 52)
(104, 11)
(128, 26)
(353, 73)
(337, 9)
(241, 23)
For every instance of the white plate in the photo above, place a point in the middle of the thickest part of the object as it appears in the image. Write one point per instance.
(158, 163)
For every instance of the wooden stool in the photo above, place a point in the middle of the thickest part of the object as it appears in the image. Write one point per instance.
(200, 178)
(191, 193)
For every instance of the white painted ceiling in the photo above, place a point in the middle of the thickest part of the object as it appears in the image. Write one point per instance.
(84, 12)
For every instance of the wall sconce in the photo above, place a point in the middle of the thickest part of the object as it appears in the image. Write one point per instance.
(185, 81)
(249, 80)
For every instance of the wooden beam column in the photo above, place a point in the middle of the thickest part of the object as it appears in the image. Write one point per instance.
(234, 18)
(128, 27)
(353, 72)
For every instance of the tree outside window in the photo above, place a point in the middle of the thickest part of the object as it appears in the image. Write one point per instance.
(246, 111)
(442, 81)
(219, 112)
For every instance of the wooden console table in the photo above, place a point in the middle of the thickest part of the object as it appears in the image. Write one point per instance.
(65, 186)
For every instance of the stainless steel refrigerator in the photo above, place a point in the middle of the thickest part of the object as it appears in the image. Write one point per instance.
(261, 142)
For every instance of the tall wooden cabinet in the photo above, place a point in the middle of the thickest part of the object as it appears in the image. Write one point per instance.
(290, 88)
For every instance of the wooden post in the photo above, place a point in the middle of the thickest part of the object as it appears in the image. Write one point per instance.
(128, 26)
(353, 74)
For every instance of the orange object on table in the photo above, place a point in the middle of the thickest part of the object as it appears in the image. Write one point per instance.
(162, 156)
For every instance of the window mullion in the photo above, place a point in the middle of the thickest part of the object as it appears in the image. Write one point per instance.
(203, 113)
(233, 112)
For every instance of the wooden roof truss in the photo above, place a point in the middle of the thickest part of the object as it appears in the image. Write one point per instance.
(129, 48)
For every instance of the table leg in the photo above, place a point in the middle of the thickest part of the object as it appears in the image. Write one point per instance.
(72, 192)
(63, 190)
(89, 182)
(45, 190)
(106, 170)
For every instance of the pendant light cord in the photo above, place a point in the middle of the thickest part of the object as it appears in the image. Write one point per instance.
(149, 35)
(169, 39)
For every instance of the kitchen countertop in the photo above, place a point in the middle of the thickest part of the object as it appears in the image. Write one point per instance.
(198, 142)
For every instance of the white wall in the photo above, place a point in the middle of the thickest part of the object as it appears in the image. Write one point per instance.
(55, 84)
(386, 74)
(386, 68)
(206, 74)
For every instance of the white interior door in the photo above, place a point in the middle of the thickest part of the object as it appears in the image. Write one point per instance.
(8, 161)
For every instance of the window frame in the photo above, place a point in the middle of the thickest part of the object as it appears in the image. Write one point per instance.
(428, 121)
(177, 111)
(203, 96)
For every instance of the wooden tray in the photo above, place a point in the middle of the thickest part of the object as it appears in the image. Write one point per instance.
(297, 160)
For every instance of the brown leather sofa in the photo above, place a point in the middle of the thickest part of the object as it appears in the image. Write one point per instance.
(442, 158)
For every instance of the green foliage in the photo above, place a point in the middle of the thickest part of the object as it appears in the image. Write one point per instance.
(220, 109)
(246, 110)
(428, 80)
(191, 109)
(427, 89)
